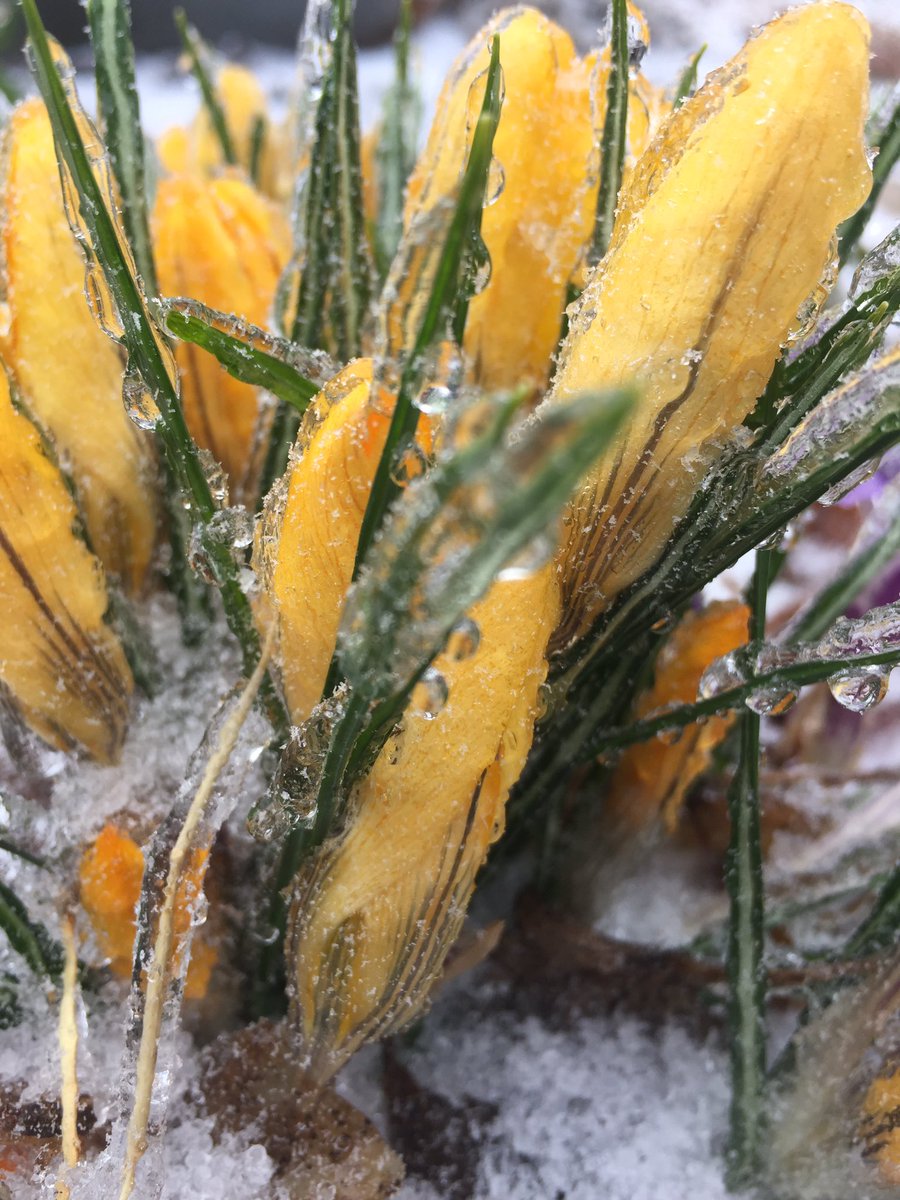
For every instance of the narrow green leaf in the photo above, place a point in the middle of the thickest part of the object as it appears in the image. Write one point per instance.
(881, 546)
(745, 967)
(117, 102)
(147, 354)
(327, 287)
(688, 81)
(198, 55)
(445, 309)
(396, 152)
(790, 677)
(879, 929)
(25, 855)
(244, 361)
(615, 132)
(799, 385)
(27, 937)
(888, 143)
(257, 144)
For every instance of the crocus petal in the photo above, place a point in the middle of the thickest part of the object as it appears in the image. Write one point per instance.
(61, 666)
(219, 242)
(196, 149)
(306, 542)
(373, 919)
(109, 877)
(66, 369)
(724, 233)
(881, 1128)
(537, 227)
(651, 779)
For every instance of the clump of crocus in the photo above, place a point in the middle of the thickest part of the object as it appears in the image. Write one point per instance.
(482, 531)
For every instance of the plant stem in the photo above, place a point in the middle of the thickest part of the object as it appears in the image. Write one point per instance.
(746, 971)
(615, 132)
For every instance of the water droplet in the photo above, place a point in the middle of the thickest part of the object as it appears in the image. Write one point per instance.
(411, 465)
(721, 676)
(139, 402)
(430, 694)
(464, 639)
(482, 276)
(496, 182)
(434, 400)
(859, 689)
(851, 481)
(770, 702)
(216, 478)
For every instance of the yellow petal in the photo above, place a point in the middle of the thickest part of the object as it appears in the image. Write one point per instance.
(218, 241)
(723, 235)
(306, 545)
(652, 779)
(881, 1126)
(537, 226)
(109, 877)
(60, 664)
(67, 370)
(373, 919)
(197, 150)
(541, 221)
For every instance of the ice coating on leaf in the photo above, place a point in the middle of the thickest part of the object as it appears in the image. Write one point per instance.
(855, 687)
(372, 920)
(537, 227)
(68, 373)
(883, 260)
(293, 794)
(834, 426)
(62, 667)
(219, 242)
(724, 230)
(306, 545)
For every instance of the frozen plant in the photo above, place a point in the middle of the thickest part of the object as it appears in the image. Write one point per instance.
(522, 399)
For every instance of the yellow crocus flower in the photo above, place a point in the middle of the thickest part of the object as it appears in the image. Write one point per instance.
(109, 882)
(541, 222)
(372, 920)
(61, 666)
(65, 368)
(196, 150)
(723, 235)
(220, 242)
(651, 780)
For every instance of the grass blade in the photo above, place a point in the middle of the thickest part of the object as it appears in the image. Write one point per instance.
(688, 81)
(396, 153)
(615, 132)
(745, 967)
(445, 308)
(196, 52)
(27, 937)
(242, 360)
(117, 101)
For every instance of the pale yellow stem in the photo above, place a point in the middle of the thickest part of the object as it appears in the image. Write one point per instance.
(68, 1053)
(158, 974)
